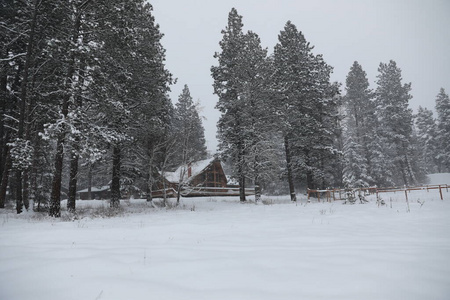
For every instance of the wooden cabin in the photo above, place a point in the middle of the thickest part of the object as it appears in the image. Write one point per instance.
(97, 193)
(201, 178)
(104, 193)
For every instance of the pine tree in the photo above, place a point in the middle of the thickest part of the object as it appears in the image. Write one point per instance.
(80, 79)
(427, 139)
(28, 41)
(135, 79)
(360, 128)
(227, 86)
(12, 50)
(259, 128)
(189, 130)
(73, 14)
(291, 56)
(395, 121)
(443, 131)
(304, 100)
(241, 81)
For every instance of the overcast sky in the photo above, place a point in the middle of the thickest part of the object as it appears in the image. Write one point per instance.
(414, 33)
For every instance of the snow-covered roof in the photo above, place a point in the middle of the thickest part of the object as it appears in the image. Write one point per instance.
(182, 171)
(96, 189)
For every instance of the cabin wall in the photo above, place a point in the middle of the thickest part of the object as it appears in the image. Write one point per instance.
(213, 176)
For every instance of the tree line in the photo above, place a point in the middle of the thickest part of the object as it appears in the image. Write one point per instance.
(84, 101)
(285, 124)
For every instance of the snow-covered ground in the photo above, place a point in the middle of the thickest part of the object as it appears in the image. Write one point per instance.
(212, 248)
(439, 178)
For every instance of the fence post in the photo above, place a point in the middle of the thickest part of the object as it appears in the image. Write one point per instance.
(406, 193)
(440, 192)
(318, 196)
(308, 192)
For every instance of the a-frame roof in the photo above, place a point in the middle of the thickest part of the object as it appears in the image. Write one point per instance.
(181, 173)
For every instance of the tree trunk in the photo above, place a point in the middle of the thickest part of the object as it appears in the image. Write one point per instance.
(149, 186)
(309, 173)
(309, 179)
(4, 183)
(89, 195)
(403, 170)
(150, 179)
(180, 186)
(242, 186)
(411, 174)
(55, 198)
(26, 189)
(257, 191)
(257, 183)
(241, 176)
(34, 173)
(23, 104)
(19, 199)
(163, 175)
(73, 177)
(115, 183)
(322, 178)
(289, 169)
(4, 97)
(71, 200)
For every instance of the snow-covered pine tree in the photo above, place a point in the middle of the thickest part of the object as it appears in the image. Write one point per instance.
(19, 48)
(156, 138)
(189, 134)
(395, 122)
(135, 78)
(303, 101)
(71, 94)
(14, 19)
(227, 76)
(335, 166)
(241, 81)
(360, 128)
(326, 100)
(426, 135)
(29, 37)
(72, 19)
(443, 133)
(259, 127)
(291, 68)
(42, 91)
(191, 145)
(354, 164)
(22, 142)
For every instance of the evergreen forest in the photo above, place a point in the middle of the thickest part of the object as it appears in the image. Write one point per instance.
(84, 100)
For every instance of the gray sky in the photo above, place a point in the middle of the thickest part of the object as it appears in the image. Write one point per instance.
(414, 33)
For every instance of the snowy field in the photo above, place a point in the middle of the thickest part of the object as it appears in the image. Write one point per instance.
(212, 248)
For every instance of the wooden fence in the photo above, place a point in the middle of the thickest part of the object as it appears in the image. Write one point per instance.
(202, 192)
(341, 194)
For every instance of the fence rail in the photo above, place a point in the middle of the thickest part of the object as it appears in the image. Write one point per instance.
(202, 192)
(340, 194)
